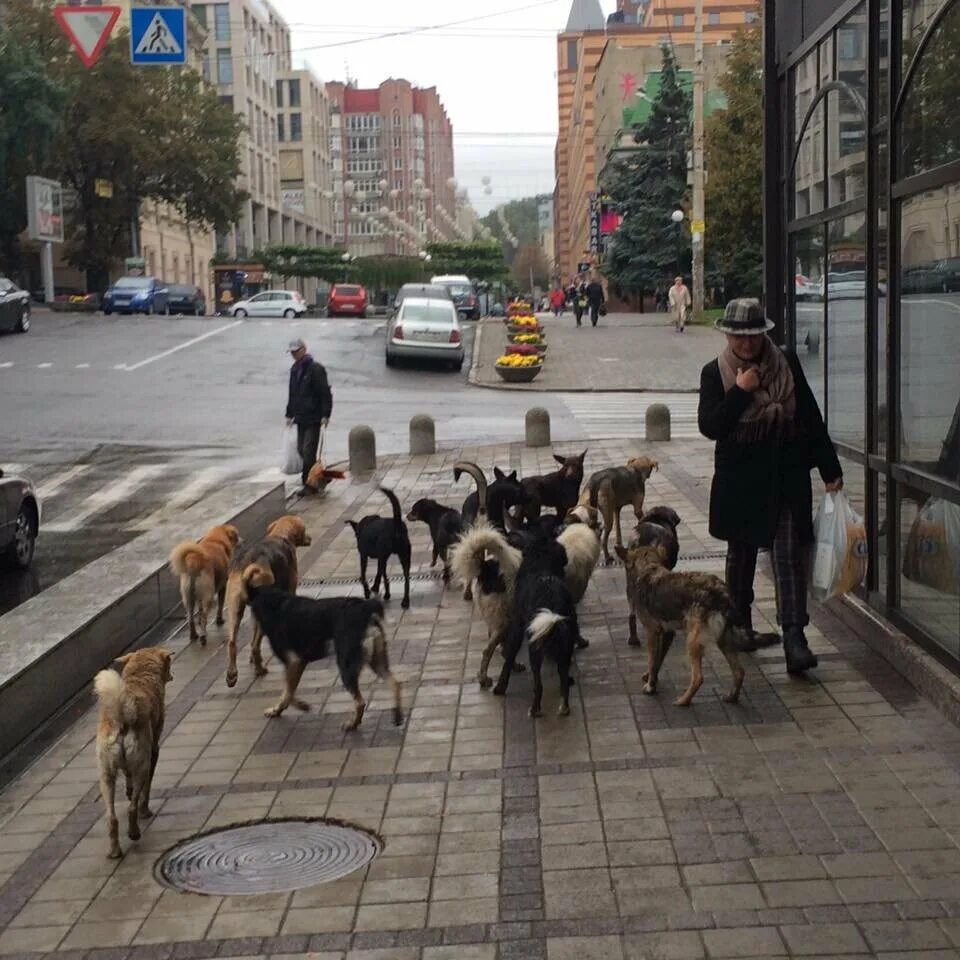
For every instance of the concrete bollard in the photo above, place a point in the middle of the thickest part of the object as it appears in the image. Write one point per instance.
(362, 444)
(538, 427)
(423, 437)
(658, 422)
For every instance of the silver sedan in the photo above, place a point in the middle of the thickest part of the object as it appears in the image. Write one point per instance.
(425, 329)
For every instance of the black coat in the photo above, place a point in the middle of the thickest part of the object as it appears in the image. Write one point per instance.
(594, 293)
(310, 399)
(751, 482)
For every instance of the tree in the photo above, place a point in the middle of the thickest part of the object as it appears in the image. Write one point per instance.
(734, 155)
(523, 217)
(298, 260)
(530, 259)
(647, 185)
(479, 261)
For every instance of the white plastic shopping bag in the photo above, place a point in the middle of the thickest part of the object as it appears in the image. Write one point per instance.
(290, 461)
(839, 550)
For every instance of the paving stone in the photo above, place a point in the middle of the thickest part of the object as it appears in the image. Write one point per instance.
(743, 942)
(584, 948)
(904, 935)
(824, 939)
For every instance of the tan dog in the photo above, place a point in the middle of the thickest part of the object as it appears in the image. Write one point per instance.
(610, 490)
(697, 603)
(202, 568)
(128, 736)
(276, 552)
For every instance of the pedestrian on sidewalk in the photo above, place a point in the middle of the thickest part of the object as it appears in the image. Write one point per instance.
(596, 300)
(756, 404)
(557, 301)
(680, 303)
(579, 300)
(309, 405)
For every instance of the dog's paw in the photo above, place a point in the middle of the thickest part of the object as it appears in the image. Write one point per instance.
(468, 595)
(219, 621)
(649, 688)
(259, 670)
(634, 642)
(563, 710)
(405, 603)
(499, 690)
(645, 677)
(731, 697)
(134, 833)
(231, 678)
(115, 854)
(348, 726)
(485, 682)
(398, 718)
(534, 712)
(301, 705)
(203, 639)
(582, 643)
(272, 712)
(145, 813)
(682, 702)
(193, 635)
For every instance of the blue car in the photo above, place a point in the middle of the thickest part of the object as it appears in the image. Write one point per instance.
(137, 295)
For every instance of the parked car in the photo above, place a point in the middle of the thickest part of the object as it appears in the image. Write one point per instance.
(19, 520)
(186, 299)
(921, 278)
(347, 299)
(807, 289)
(948, 271)
(14, 307)
(463, 294)
(136, 295)
(271, 303)
(429, 291)
(425, 330)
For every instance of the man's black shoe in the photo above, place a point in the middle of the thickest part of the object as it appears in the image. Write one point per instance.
(798, 655)
(750, 641)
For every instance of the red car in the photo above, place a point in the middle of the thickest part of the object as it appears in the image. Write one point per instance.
(347, 299)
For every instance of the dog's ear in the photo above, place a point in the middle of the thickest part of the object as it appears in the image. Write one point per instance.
(561, 460)
(167, 660)
(512, 477)
(499, 474)
(120, 662)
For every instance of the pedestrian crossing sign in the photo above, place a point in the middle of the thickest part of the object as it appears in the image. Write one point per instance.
(158, 35)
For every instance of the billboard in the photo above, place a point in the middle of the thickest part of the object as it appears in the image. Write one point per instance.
(44, 210)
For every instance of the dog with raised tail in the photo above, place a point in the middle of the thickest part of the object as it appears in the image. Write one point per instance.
(379, 538)
(128, 734)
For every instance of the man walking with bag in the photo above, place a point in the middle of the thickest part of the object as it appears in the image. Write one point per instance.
(756, 404)
(309, 405)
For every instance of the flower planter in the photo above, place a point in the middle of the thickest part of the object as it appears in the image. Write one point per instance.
(519, 374)
(515, 338)
(514, 328)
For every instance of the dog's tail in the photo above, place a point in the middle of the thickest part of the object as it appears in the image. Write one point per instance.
(353, 524)
(465, 466)
(542, 625)
(188, 560)
(256, 575)
(394, 502)
(593, 485)
(468, 555)
(112, 693)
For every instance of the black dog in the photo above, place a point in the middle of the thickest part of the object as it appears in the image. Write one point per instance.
(300, 630)
(505, 492)
(445, 529)
(559, 489)
(549, 525)
(544, 613)
(379, 537)
(657, 527)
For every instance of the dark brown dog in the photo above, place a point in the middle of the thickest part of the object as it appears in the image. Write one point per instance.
(559, 489)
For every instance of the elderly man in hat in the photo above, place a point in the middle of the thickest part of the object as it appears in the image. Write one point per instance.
(309, 404)
(756, 404)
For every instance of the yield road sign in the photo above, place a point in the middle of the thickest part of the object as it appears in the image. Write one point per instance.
(87, 28)
(158, 35)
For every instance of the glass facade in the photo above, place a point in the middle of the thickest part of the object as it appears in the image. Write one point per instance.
(863, 274)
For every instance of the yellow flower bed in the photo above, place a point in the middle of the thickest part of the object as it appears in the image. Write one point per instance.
(533, 338)
(524, 321)
(518, 360)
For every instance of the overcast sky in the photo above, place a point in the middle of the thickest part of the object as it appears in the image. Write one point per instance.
(496, 76)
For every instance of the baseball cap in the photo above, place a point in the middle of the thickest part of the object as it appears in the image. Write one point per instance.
(296, 344)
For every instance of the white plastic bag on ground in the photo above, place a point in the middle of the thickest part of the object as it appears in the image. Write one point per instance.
(290, 461)
(839, 550)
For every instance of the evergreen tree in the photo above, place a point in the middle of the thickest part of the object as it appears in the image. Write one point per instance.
(734, 154)
(647, 185)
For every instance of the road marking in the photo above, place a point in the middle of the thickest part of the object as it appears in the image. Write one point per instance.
(83, 366)
(58, 481)
(266, 476)
(12, 469)
(183, 346)
(184, 497)
(943, 303)
(6, 366)
(109, 496)
(119, 366)
(44, 366)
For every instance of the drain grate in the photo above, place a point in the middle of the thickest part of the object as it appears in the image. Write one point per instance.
(270, 856)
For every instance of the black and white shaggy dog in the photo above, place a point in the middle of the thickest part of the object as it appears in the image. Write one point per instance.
(300, 630)
(544, 614)
(379, 538)
(446, 528)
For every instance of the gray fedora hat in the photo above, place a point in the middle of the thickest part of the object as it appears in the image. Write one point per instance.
(744, 317)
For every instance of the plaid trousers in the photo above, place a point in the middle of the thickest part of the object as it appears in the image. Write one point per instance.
(790, 565)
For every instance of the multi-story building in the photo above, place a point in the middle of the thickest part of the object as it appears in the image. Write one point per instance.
(580, 48)
(391, 149)
(545, 231)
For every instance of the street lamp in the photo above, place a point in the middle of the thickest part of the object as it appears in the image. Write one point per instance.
(349, 188)
(677, 218)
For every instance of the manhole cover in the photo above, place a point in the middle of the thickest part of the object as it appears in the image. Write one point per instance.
(266, 857)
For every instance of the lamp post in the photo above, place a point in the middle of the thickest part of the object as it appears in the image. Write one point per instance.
(347, 259)
(677, 218)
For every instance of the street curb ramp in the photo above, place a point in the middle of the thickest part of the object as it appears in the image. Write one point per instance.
(52, 645)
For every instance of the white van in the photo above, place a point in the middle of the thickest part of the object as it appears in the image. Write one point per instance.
(462, 293)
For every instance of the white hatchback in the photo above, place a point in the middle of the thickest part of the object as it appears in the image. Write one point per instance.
(425, 329)
(271, 303)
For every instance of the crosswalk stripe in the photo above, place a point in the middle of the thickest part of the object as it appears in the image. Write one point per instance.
(186, 496)
(266, 476)
(6, 365)
(12, 469)
(103, 499)
(616, 417)
(49, 489)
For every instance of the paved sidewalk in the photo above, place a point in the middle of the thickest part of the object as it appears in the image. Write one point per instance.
(817, 818)
(625, 352)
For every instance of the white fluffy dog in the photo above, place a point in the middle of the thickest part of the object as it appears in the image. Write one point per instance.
(581, 539)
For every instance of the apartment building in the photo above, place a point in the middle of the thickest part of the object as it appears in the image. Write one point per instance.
(391, 151)
(581, 47)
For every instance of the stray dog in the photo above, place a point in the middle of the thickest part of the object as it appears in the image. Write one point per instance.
(445, 526)
(544, 613)
(494, 501)
(202, 568)
(277, 551)
(610, 490)
(658, 528)
(380, 537)
(558, 490)
(300, 630)
(580, 538)
(491, 581)
(695, 602)
(128, 735)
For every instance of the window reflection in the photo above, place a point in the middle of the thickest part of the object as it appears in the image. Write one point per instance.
(846, 146)
(807, 246)
(808, 172)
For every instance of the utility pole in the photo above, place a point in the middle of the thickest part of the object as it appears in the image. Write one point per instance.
(697, 225)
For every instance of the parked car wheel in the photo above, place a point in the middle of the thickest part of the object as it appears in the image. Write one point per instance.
(166, 310)
(21, 548)
(107, 313)
(457, 365)
(363, 314)
(289, 314)
(23, 324)
(240, 313)
(391, 361)
(148, 311)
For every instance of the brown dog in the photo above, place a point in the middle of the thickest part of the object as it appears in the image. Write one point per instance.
(202, 568)
(277, 552)
(610, 490)
(695, 602)
(128, 736)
